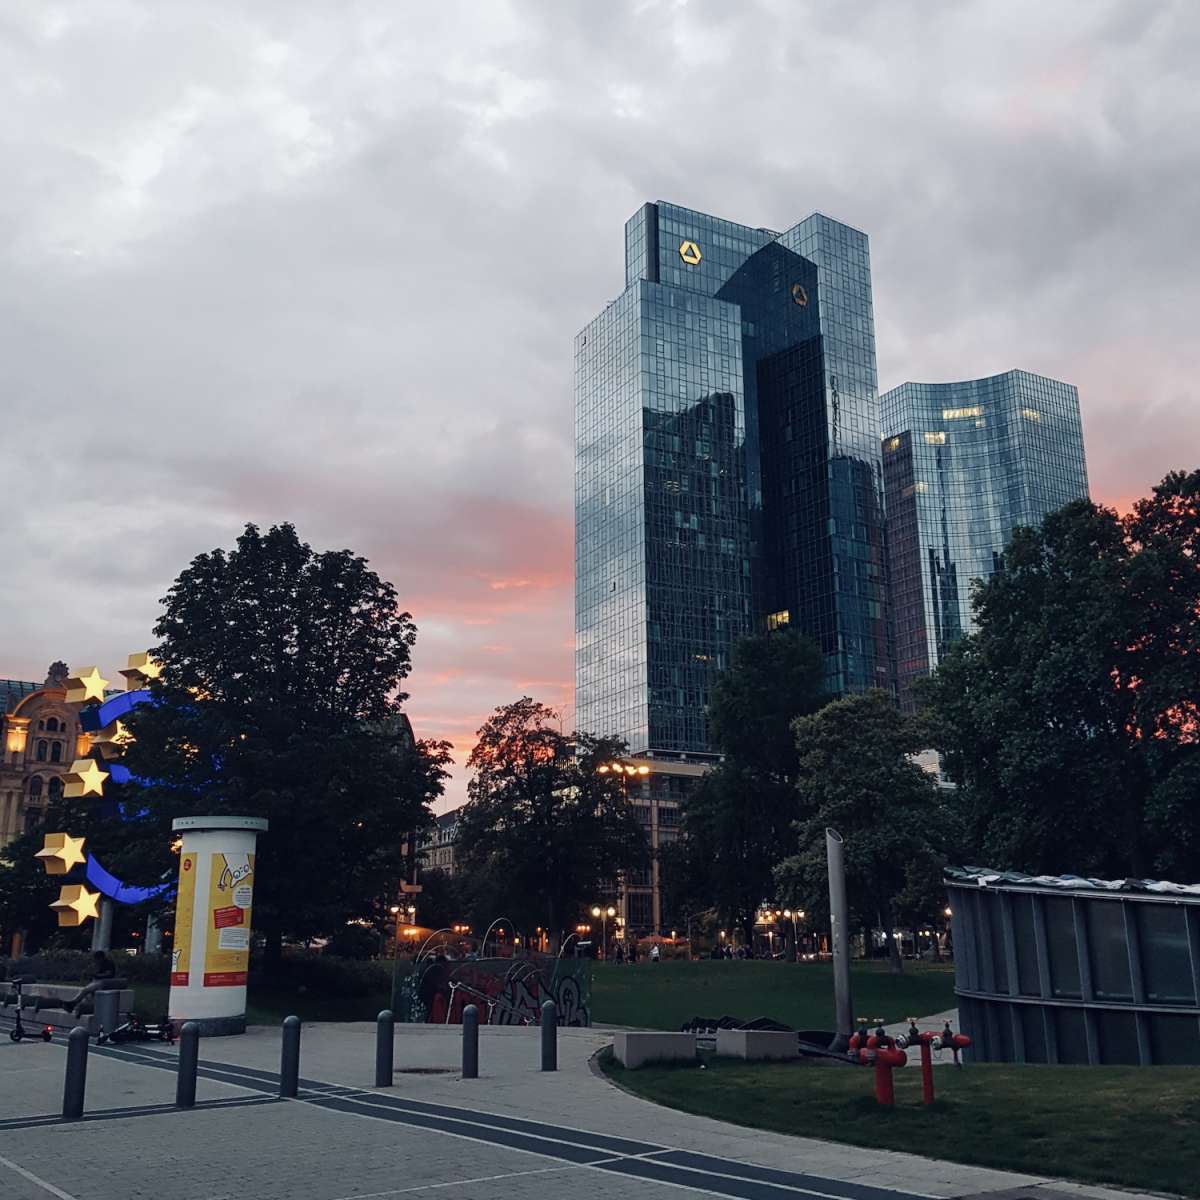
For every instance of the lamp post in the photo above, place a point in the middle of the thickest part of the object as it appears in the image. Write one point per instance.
(604, 914)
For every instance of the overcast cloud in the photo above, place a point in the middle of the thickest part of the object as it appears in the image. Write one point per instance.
(324, 263)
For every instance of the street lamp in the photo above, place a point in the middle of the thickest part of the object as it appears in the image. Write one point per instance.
(605, 914)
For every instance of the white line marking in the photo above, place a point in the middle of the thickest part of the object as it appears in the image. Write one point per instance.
(54, 1191)
(428, 1187)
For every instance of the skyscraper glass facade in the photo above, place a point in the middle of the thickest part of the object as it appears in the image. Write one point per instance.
(964, 465)
(728, 471)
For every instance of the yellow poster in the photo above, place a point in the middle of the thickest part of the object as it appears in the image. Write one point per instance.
(227, 936)
(185, 903)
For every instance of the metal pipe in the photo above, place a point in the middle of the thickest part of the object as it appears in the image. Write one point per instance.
(839, 922)
(385, 1029)
(289, 1059)
(76, 1080)
(189, 1061)
(470, 1042)
(549, 1036)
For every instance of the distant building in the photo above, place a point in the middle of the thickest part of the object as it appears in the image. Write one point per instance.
(965, 464)
(40, 738)
(727, 469)
(438, 842)
(643, 906)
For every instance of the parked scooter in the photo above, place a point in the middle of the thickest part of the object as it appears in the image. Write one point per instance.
(19, 1030)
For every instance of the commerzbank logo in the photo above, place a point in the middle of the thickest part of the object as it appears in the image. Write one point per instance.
(690, 253)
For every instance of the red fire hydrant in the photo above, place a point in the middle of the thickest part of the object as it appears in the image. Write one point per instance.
(881, 1050)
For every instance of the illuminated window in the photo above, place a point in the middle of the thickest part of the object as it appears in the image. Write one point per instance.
(953, 414)
(1031, 414)
(777, 620)
(892, 444)
(936, 439)
(919, 486)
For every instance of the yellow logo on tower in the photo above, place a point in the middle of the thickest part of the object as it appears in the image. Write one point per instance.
(690, 253)
(799, 294)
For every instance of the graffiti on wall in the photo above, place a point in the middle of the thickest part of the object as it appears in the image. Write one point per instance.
(506, 991)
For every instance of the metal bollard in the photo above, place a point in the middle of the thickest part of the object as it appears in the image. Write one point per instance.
(289, 1059)
(470, 1049)
(385, 1029)
(549, 1036)
(107, 1007)
(189, 1060)
(73, 1088)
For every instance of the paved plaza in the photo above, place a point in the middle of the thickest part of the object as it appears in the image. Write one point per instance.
(514, 1131)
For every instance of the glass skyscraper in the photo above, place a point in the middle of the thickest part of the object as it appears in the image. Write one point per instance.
(965, 464)
(728, 469)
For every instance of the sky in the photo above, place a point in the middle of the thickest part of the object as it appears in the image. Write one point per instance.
(324, 263)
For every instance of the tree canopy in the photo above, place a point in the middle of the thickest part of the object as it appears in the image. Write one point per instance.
(1071, 718)
(857, 775)
(280, 697)
(737, 823)
(544, 833)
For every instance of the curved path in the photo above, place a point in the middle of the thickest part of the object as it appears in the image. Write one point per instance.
(513, 1132)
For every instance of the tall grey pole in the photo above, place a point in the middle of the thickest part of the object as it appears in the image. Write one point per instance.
(102, 928)
(839, 930)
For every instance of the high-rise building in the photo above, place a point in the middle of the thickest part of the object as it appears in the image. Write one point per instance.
(964, 465)
(728, 471)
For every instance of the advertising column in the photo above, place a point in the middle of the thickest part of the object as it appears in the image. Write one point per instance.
(211, 951)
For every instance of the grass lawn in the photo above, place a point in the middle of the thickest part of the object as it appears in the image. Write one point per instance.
(667, 994)
(663, 995)
(1134, 1126)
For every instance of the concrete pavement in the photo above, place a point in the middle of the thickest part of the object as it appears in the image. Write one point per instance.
(512, 1130)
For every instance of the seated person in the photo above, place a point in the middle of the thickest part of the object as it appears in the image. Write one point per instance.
(104, 969)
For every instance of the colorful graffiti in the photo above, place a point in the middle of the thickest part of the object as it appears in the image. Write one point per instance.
(507, 991)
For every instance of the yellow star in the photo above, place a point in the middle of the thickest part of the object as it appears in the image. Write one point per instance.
(142, 668)
(112, 740)
(61, 852)
(75, 904)
(84, 779)
(86, 685)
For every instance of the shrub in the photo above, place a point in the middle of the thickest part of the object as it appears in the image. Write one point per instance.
(325, 974)
(75, 966)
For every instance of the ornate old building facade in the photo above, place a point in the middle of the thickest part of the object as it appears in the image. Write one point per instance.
(40, 736)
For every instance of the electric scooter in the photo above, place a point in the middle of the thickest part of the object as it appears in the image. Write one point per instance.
(18, 1031)
(134, 1029)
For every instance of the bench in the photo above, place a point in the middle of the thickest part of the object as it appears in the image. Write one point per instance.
(638, 1049)
(757, 1043)
(43, 1003)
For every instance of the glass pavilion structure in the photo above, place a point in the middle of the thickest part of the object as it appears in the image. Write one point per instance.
(964, 465)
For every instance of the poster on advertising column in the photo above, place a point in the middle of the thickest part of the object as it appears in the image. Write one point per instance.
(185, 902)
(227, 944)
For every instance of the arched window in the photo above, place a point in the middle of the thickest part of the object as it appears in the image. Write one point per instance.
(41, 724)
(52, 724)
(42, 747)
(56, 751)
(35, 788)
(55, 788)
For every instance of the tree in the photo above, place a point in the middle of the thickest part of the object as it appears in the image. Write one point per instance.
(857, 775)
(737, 823)
(280, 697)
(1071, 717)
(544, 832)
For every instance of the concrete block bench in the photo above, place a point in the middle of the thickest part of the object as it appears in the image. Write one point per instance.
(757, 1043)
(48, 998)
(637, 1049)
